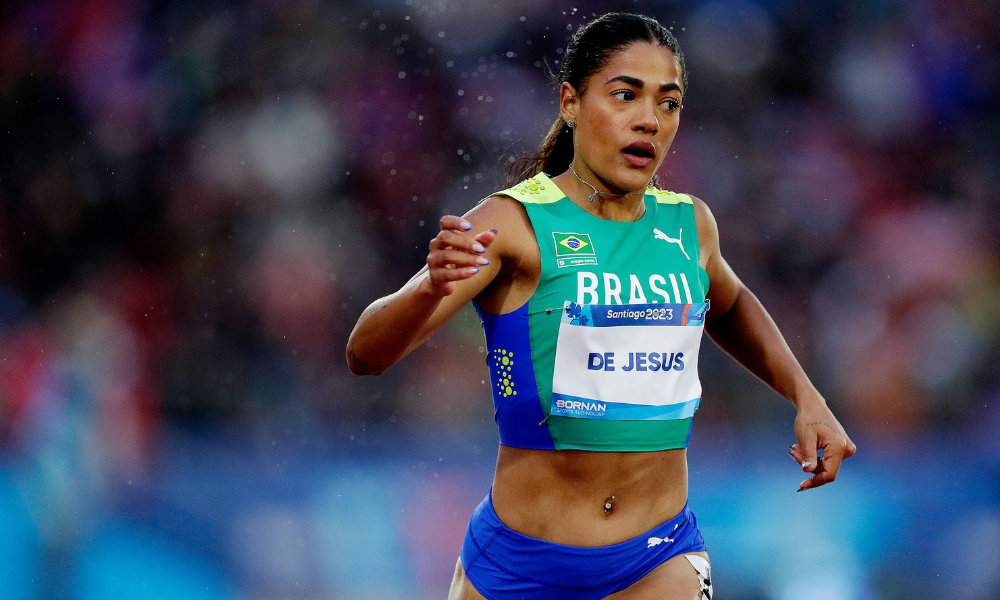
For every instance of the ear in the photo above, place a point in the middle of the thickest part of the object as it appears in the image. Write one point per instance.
(569, 102)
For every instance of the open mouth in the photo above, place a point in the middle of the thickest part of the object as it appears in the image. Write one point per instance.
(640, 154)
(640, 149)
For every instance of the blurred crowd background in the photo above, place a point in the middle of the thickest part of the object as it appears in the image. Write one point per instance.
(198, 199)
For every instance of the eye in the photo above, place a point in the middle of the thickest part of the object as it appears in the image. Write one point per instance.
(670, 105)
(625, 95)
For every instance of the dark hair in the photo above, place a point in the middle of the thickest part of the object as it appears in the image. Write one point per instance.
(590, 50)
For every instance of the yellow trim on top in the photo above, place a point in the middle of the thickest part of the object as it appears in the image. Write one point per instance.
(534, 190)
(542, 190)
(668, 197)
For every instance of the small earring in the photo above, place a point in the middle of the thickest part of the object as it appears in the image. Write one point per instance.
(571, 124)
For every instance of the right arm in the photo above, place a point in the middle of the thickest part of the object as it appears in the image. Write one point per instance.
(391, 327)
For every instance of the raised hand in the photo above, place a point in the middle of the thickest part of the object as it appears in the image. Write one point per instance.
(456, 255)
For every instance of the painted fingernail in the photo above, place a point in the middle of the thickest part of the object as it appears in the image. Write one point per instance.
(477, 247)
(791, 447)
(790, 454)
(801, 489)
(465, 225)
(482, 261)
(494, 230)
(473, 270)
(806, 465)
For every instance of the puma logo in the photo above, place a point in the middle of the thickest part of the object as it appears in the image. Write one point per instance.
(655, 541)
(662, 236)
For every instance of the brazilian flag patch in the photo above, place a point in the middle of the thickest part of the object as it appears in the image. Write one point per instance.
(574, 249)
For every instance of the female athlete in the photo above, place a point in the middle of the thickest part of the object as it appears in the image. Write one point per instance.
(593, 289)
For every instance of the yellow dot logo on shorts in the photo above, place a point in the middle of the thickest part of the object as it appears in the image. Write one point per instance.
(501, 363)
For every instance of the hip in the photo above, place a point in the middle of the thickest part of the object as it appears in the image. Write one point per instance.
(501, 562)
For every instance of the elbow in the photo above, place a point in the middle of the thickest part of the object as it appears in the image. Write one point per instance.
(360, 367)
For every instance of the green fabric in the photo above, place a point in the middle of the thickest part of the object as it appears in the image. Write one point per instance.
(632, 252)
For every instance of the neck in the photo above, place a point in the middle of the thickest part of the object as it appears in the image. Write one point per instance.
(608, 203)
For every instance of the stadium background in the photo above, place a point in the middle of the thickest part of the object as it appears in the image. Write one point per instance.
(198, 199)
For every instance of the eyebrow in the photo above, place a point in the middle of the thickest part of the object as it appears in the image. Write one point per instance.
(636, 82)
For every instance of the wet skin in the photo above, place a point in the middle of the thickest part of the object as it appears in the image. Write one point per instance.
(563, 496)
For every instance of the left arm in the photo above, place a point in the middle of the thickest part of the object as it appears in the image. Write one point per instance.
(739, 325)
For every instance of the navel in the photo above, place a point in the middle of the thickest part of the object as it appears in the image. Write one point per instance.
(609, 505)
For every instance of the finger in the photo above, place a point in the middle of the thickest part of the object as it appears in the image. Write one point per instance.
(452, 239)
(796, 454)
(833, 455)
(486, 238)
(458, 241)
(453, 222)
(807, 443)
(821, 477)
(440, 259)
(443, 276)
(851, 448)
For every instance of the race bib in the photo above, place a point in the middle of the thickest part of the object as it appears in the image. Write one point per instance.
(628, 362)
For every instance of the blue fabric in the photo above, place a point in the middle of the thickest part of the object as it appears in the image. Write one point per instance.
(518, 413)
(505, 565)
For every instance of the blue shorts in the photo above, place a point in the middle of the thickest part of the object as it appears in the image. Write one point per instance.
(505, 565)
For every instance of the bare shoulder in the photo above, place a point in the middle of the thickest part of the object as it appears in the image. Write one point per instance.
(708, 230)
(509, 218)
(499, 206)
(704, 217)
(515, 249)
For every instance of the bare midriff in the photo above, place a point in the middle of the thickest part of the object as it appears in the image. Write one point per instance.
(583, 498)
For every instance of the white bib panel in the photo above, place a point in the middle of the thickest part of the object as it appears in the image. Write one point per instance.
(628, 362)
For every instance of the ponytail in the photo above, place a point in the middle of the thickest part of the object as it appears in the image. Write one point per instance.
(553, 156)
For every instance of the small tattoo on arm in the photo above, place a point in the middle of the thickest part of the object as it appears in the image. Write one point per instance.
(832, 428)
(360, 367)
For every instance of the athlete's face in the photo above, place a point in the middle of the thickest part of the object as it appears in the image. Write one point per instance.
(627, 116)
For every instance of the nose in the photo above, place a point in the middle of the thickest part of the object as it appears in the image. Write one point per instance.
(646, 120)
